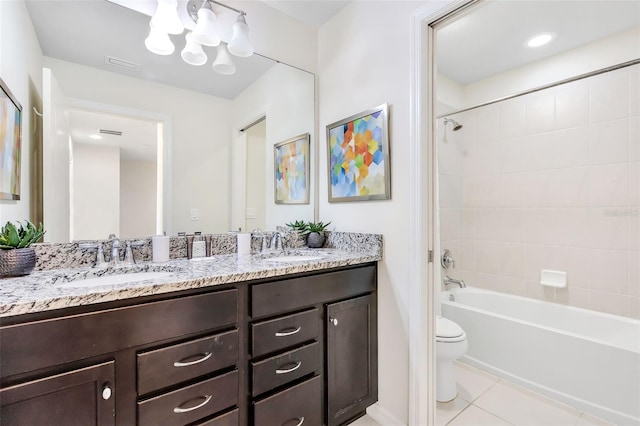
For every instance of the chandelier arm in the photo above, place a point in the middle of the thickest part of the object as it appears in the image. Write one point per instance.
(241, 12)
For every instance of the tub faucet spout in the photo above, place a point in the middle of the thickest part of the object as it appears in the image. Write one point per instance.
(449, 281)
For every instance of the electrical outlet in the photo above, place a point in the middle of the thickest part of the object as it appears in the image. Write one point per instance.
(251, 213)
(199, 249)
(195, 215)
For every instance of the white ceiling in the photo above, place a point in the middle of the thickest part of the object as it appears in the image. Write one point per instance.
(138, 140)
(84, 32)
(465, 45)
(311, 12)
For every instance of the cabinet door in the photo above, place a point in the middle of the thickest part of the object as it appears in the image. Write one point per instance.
(352, 358)
(81, 397)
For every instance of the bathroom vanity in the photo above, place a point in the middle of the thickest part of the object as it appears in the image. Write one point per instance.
(291, 349)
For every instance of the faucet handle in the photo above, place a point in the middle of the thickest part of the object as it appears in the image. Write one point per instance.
(100, 262)
(129, 260)
(447, 261)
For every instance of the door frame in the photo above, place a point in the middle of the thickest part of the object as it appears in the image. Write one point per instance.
(422, 220)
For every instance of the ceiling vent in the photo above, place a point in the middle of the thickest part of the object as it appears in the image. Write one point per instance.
(121, 63)
(111, 132)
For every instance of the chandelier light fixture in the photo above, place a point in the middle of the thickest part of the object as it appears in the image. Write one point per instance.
(166, 21)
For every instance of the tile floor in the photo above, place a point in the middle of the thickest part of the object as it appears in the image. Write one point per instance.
(486, 400)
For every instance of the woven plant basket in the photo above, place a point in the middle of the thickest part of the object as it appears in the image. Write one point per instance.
(17, 262)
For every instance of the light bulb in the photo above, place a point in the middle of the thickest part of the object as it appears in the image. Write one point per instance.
(192, 52)
(223, 63)
(166, 18)
(205, 32)
(240, 44)
(159, 42)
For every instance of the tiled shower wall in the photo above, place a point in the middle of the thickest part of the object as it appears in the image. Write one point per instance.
(549, 180)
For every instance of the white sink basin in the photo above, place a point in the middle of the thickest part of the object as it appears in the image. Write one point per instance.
(114, 279)
(294, 258)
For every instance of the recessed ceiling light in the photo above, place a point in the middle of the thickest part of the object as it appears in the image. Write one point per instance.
(540, 39)
(94, 136)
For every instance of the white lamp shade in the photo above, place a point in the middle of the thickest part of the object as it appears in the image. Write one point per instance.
(166, 18)
(193, 53)
(223, 63)
(205, 32)
(159, 42)
(240, 44)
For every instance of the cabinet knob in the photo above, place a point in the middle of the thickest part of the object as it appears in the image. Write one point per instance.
(333, 321)
(106, 392)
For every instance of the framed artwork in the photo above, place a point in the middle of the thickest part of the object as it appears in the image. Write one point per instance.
(10, 143)
(358, 157)
(291, 170)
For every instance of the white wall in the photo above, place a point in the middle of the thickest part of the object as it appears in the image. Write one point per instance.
(363, 61)
(20, 67)
(256, 172)
(96, 192)
(137, 198)
(286, 96)
(201, 137)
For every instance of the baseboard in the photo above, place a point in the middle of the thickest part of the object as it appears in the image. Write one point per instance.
(383, 416)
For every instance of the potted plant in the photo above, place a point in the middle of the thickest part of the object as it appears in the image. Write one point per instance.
(298, 226)
(17, 257)
(315, 234)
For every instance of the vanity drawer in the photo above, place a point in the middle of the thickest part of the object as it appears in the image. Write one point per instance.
(35, 345)
(281, 369)
(164, 367)
(287, 295)
(190, 403)
(280, 333)
(300, 404)
(228, 419)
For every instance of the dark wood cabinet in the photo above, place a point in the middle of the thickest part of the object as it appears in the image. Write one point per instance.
(82, 397)
(352, 358)
(302, 349)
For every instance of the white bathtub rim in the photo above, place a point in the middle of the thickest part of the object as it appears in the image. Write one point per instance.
(460, 305)
(613, 416)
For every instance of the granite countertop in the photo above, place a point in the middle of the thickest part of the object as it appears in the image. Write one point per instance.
(55, 289)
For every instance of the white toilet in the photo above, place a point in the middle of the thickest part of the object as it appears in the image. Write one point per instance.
(451, 343)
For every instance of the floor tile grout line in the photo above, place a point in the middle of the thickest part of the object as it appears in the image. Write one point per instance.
(461, 411)
(485, 391)
(494, 414)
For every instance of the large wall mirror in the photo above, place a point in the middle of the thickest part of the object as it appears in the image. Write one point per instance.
(137, 144)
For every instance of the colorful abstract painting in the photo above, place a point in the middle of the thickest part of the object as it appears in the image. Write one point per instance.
(292, 170)
(10, 144)
(359, 157)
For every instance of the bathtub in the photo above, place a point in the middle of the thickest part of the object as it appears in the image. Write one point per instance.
(585, 359)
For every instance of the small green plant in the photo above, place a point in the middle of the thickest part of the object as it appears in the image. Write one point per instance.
(13, 237)
(316, 227)
(298, 225)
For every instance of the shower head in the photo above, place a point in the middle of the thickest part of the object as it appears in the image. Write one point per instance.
(456, 126)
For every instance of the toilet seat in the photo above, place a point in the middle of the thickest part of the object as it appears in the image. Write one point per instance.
(448, 331)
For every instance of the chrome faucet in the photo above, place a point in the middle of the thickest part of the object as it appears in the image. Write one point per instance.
(115, 250)
(449, 281)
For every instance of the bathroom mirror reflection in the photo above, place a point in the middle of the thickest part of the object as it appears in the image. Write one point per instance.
(122, 116)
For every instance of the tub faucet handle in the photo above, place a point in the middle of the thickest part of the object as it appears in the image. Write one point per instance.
(447, 260)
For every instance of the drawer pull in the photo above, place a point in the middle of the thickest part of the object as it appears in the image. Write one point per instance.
(179, 410)
(299, 419)
(289, 370)
(288, 332)
(205, 357)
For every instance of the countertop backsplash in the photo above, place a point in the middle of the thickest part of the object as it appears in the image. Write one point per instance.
(51, 256)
